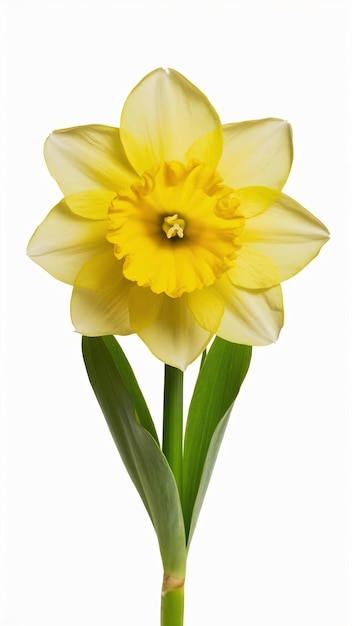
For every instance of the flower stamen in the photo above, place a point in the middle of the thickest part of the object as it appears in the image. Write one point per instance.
(173, 226)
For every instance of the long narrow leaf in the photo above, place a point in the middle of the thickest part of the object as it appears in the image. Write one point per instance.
(126, 372)
(139, 451)
(218, 384)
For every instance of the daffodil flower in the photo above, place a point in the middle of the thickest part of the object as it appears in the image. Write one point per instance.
(174, 226)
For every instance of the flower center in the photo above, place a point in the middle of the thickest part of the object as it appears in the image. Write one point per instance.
(177, 229)
(173, 226)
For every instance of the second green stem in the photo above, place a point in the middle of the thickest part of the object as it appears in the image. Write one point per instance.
(173, 422)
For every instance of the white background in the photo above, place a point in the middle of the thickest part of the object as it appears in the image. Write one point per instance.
(273, 543)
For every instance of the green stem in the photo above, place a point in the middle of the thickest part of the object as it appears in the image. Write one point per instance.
(172, 595)
(173, 422)
(172, 602)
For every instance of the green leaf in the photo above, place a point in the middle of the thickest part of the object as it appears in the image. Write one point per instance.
(143, 416)
(217, 386)
(139, 450)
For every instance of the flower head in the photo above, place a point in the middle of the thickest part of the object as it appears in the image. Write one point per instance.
(174, 226)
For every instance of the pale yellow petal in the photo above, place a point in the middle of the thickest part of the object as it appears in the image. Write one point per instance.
(166, 118)
(255, 200)
(286, 233)
(170, 330)
(253, 270)
(207, 306)
(101, 271)
(92, 204)
(252, 318)
(104, 312)
(64, 242)
(256, 153)
(88, 157)
(144, 307)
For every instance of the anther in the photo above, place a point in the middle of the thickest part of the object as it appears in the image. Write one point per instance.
(173, 226)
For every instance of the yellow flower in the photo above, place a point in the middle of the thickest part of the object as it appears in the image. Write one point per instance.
(174, 226)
